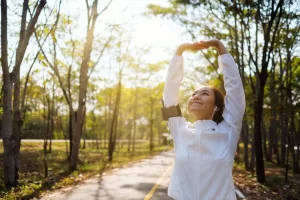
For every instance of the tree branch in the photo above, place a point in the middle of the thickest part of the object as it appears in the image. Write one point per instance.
(105, 7)
(23, 21)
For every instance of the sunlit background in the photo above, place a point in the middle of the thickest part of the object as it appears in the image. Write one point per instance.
(133, 42)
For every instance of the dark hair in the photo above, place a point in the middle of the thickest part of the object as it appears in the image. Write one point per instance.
(219, 102)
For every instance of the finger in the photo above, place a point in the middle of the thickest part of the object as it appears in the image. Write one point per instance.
(202, 45)
(203, 42)
(198, 49)
(209, 42)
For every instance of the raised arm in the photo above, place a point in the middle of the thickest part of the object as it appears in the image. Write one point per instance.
(172, 85)
(235, 95)
(175, 73)
(173, 81)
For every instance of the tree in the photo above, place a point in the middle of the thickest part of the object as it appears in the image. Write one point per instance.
(154, 95)
(88, 46)
(81, 57)
(122, 62)
(12, 121)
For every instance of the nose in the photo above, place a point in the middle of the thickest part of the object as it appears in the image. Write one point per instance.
(196, 97)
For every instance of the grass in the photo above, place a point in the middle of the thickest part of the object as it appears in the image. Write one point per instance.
(92, 161)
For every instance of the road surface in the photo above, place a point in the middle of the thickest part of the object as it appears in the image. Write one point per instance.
(41, 140)
(144, 180)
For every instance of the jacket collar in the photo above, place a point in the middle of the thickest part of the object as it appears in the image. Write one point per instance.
(204, 124)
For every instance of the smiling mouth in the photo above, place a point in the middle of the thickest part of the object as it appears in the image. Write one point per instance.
(196, 103)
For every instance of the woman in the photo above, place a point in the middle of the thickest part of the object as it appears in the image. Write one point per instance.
(205, 149)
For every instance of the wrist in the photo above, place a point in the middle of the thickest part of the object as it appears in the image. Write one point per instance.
(218, 44)
(180, 49)
(179, 52)
(221, 48)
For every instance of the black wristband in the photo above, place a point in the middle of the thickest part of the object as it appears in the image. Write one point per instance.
(173, 111)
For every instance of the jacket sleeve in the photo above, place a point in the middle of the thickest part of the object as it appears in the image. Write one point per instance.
(235, 95)
(171, 92)
(173, 81)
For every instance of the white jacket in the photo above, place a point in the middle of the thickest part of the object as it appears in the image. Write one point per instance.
(205, 150)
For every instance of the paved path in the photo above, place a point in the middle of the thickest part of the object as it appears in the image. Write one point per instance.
(143, 180)
(89, 140)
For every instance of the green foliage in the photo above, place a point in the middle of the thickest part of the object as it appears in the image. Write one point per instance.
(158, 10)
(34, 128)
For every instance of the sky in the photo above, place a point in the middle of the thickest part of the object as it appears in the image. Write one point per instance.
(161, 35)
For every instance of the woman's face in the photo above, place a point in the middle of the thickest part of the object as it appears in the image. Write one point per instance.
(202, 103)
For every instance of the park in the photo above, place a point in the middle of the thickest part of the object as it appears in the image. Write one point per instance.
(83, 95)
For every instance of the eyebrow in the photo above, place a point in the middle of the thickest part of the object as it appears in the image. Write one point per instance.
(206, 91)
(202, 91)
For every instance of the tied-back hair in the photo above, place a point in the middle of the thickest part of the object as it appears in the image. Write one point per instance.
(219, 102)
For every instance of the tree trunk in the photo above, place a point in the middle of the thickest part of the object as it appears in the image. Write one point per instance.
(252, 161)
(84, 138)
(53, 113)
(276, 151)
(129, 133)
(298, 147)
(97, 131)
(245, 133)
(264, 134)
(129, 125)
(8, 144)
(134, 119)
(293, 142)
(272, 128)
(46, 134)
(258, 110)
(112, 135)
(282, 111)
(25, 35)
(11, 124)
(283, 139)
(92, 17)
(120, 130)
(151, 123)
(70, 131)
(109, 118)
(116, 127)
(79, 117)
(83, 128)
(45, 159)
